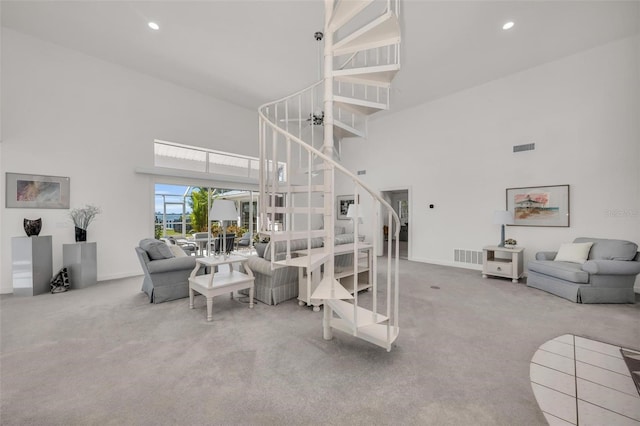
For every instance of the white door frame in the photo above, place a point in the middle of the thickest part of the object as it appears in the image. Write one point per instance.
(409, 190)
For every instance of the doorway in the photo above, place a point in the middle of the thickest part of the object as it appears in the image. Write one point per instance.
(399, 199)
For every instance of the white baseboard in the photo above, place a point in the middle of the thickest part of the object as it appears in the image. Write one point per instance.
(470, 266)
(100, 278)
(448, 263)
(119, 276)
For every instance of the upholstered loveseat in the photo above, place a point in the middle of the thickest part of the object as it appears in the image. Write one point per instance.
(166, 270)
(273, 286)
(607, 275)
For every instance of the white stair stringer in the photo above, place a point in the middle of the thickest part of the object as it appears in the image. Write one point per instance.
(382, 31)
(346, 131)
(312, 210)
(305, 188)
(292, 235)
(311, 262)
(346, 10)
(300, 137)
(379, 334)
(329, 289)
(379, 75)
(359, 106)
(362, 317)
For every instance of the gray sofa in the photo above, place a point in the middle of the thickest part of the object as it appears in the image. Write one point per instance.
(273, 286)
(166, 276)
(607, 276)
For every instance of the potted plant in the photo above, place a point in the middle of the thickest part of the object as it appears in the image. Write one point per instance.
(82, 218)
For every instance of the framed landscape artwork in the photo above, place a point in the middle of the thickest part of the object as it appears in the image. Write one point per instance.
(36, 192)
(342, 203)
(539, 205)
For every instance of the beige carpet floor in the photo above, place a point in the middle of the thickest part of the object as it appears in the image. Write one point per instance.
(105, 356)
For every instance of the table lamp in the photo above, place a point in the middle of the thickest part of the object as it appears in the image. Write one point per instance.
(351, 214)
(502, 217)
(222, 210)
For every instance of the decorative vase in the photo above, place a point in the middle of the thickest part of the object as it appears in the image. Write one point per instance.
(509, 246)
(81, 235)
(32, 226)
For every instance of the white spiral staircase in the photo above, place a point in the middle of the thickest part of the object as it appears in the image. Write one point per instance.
(300, 140)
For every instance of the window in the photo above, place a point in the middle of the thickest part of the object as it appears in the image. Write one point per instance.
(183, 210)
(184, 157)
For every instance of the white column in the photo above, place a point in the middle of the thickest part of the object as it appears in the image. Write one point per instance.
(327, 149)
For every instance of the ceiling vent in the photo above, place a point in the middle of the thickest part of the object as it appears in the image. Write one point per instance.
(525, 147)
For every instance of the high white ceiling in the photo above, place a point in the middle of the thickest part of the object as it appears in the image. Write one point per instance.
(251, 52)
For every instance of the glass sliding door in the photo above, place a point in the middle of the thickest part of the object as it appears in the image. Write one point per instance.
(182, 211)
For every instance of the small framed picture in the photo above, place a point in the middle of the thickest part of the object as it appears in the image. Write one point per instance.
(342, 203)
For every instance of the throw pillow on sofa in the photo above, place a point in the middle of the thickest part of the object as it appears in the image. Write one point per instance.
(573, 252)
(177, 251)
(260, 248)
(156, 249)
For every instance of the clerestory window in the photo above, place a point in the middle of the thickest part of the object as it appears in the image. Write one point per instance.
(185, 157)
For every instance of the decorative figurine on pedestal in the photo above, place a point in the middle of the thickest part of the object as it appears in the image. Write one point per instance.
(82, 218)
(60, 283)
(32, 227)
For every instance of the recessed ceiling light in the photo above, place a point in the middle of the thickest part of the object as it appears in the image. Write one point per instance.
(508, 25)
(153, 26)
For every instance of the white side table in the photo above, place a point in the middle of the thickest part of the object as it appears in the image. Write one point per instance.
(217, 283)
(503, 262)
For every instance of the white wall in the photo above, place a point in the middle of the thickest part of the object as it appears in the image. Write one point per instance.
(582, 112)
(68, 114)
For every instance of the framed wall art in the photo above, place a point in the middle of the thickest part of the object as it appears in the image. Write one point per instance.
(342, 203)
(539, 205)
(36, 192)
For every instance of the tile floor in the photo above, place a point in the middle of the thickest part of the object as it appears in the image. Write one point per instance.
(579, 381)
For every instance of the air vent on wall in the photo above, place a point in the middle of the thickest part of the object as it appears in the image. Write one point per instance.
(524, 147)
(362, 172)
(467, 256)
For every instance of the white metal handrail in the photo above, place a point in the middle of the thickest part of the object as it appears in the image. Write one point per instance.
(347, 97)
(392, 305)
(375, 56)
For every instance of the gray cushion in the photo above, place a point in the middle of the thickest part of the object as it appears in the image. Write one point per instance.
(281, 247)
(260, 248)
(156, 249)
(169, 265)
(612, 267)
(562, 270)
(343, 239)
(610, 249)
(546, 255)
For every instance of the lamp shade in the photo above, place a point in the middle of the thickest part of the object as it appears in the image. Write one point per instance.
(223, 210)
(351, 212)
(502, 217)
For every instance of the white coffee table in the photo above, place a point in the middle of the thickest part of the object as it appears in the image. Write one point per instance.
(217, 283)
